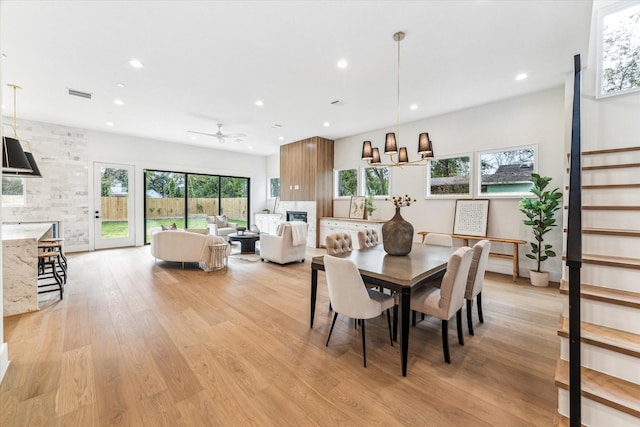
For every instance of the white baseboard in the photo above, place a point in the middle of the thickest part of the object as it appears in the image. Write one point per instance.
(4, 359)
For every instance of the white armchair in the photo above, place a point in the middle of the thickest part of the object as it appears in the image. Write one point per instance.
(219, 225)
(280, 247)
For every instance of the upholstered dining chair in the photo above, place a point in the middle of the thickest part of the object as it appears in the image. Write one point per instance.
(349, 297)
(475, 280)
(447, 300)
(367, 238)
(438, 239)
(338, 243)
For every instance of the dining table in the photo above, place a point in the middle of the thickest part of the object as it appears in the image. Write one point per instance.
(400, 274)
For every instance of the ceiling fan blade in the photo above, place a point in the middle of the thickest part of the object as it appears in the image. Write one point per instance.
(233, 135)
(204, 133)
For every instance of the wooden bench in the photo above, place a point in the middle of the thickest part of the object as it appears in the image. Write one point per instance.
(513, 256)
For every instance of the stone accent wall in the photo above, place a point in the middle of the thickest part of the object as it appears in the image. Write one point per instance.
(62, 193)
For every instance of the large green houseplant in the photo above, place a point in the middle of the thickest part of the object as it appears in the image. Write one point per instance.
(540, 211)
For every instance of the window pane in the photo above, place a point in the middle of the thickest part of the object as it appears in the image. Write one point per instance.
(621, 50)
(114, 203)
(164, 192)
(202, 199)
(449, 176)
(347, 180)
(235, 200)
(376, 181)
(507, 171)
(274, 188)
(13, 190)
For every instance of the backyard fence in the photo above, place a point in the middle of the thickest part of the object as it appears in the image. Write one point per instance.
(115, 208)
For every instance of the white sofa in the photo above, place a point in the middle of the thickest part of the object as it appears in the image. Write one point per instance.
(280, 247)
(219, 225)
(184, 246)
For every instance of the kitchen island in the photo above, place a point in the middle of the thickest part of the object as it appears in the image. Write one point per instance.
(20, 266)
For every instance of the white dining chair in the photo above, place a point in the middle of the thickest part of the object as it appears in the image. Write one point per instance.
(475, 280)
(447, 300)
(438, 239)
(349, 297)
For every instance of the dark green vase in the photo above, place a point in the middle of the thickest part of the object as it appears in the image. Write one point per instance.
(397, 235)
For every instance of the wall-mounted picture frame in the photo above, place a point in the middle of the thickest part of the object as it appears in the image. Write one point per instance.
(471, 217)
(356, 210)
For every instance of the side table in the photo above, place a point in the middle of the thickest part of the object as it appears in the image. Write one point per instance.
(218, 257)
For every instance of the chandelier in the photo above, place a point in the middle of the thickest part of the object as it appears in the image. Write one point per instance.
(397, 157)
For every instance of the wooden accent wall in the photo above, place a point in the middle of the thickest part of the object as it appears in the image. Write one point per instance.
(308, 164)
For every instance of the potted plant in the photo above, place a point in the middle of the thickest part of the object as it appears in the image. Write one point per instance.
(368, 206)
(540, 211)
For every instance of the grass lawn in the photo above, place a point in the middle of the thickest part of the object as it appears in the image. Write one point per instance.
(115, 229)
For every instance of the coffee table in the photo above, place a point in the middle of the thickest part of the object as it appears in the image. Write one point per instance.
(247, 241)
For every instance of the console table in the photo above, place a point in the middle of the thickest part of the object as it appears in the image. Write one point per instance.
(513, 256)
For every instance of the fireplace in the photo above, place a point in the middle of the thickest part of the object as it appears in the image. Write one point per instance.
(296, 216)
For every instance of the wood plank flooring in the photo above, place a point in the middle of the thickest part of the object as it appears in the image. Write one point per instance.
(135, 343)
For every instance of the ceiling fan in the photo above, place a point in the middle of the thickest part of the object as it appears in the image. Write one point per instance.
(221, 136)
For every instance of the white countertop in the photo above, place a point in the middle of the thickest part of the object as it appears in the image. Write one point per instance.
(13, 232)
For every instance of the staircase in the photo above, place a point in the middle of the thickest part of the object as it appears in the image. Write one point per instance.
(609, 293)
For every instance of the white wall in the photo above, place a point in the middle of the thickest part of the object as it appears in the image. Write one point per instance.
(533, 119)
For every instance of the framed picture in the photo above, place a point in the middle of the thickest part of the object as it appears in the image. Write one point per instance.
(357, 207)
(471, 217)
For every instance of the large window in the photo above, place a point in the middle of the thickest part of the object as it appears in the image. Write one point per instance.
(619, 53)
(346, 183)
(13, 191)
(506, 172)
(376, 181)
(449, 176)
(187, 199)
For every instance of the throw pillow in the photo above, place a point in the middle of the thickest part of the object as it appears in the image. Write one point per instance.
(221, 221)
(170, 227)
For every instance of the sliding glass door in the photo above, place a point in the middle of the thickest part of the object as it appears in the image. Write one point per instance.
(187, 199)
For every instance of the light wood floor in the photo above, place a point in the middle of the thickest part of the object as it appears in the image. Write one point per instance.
(141, 344)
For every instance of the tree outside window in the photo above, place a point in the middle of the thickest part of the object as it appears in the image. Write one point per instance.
(13, 190)
(449, 176)
(376, 181)
(620, 66)
(346, 183)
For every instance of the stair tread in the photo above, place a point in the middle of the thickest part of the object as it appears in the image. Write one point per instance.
(611, 166)
(597, 386)
(610, 258)
(600, 293)
(610, 231)
(610, 150)
(601, 336)
(609, 207)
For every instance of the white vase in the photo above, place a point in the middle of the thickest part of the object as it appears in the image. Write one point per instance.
(539, 278)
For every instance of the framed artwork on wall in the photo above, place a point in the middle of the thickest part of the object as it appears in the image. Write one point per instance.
(471, 217)
(356, 210)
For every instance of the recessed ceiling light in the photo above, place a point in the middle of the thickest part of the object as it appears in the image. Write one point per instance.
(120, 84)
(281, 138)
(4, 106)
(250, 147)
(326, 124)
(118, 101)
(110, 123)
(193, 138)
(342, 63)
(4, 56)
(136, 63)
(413, 107)
(259, 103)
(521, 76)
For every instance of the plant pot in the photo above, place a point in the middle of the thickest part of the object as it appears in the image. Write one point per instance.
(397, 235)
(539, 278)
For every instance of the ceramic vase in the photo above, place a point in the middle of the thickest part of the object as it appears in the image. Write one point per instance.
(397, 235)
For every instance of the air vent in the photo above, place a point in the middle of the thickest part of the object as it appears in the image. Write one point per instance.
(338, 102)
(276, 126)
(79, 93)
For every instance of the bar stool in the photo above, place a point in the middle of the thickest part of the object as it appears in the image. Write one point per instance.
(57, 240)
(55, 248)
(49, 259)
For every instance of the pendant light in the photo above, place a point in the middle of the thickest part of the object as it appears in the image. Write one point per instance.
(15, 160)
